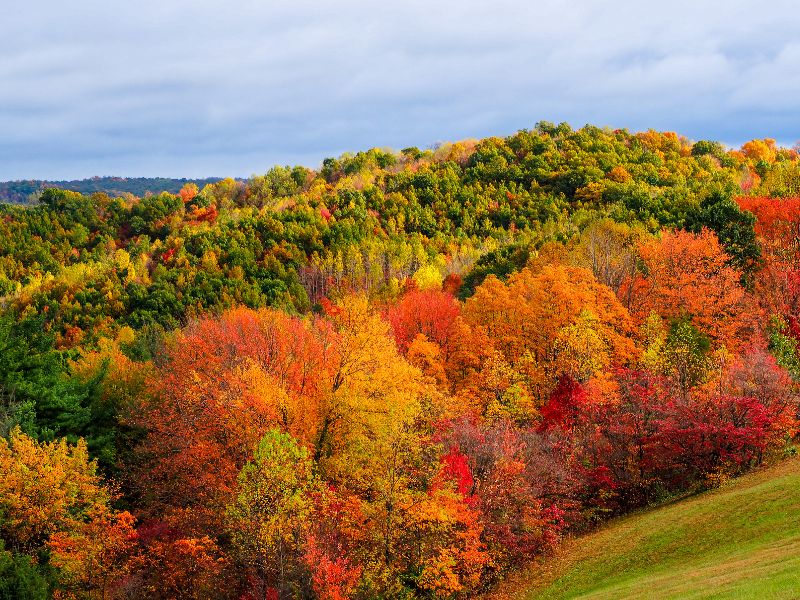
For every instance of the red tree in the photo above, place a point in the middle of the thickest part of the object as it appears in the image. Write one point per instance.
(430, 312)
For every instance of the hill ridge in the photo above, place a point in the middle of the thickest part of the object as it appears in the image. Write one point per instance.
(22, 191)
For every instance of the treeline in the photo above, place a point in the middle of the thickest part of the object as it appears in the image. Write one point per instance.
(366, 221)
(398, 376)
(27, 191)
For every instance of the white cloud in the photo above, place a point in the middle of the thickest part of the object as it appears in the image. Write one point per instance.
(202, 87)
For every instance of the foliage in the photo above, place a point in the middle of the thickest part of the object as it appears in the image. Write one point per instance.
(54, 504)
(20, 578)
(271, 510)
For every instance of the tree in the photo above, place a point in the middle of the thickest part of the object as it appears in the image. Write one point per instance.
(92, 559)
(429, 312)
(333, 576)
(337, 384)
(581, 352)
(686, 275)
(784, 347)
(46, 488)
(188, 192)
(564, 405)
(538, 317)
(373, 392)
(269, 518)
(51, 498)
(513, 486)
(608, 248)
(615, 444)
(498, 392)
(686, 356)
(703, 439)
(447, 530)
(174, 565)
(332, 549)
(35, 392)
(221, 387)
(114, 383)
(757, 374)
(427, 357)
(778, 229)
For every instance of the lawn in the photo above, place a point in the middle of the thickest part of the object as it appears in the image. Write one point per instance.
(740, 541)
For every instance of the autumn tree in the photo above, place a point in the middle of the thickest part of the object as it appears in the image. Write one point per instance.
(427, 357)
(778, 229)
(372, 393)
(52, 498)
(686, 275)
(538, 320)
(93, 560)
(268, 519)
(337, 384)
(498, 392)
(445, 526)
(222, 385)
(170, 564)
(686, 356)
(336, 536)
(514, 483)
(608, 248)
(430, 312)
(757, 374)
(46, 488)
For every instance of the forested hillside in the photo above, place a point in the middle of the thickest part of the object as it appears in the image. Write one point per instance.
(400, 375)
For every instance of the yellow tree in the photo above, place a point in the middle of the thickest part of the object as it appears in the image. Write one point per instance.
(377, 451)
(374, 393)
(45, 488)
(51, 496)
(551, 321)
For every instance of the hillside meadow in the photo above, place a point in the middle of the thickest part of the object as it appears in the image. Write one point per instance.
(739, 541)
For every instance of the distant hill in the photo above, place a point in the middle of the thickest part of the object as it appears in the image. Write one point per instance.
(22, 192)
(741, 541)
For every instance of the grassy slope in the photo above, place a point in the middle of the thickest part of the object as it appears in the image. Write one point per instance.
(741, 541)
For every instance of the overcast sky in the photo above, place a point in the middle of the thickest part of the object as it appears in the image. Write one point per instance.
(210, 88)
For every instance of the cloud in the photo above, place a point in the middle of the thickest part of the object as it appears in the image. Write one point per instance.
(205, 87)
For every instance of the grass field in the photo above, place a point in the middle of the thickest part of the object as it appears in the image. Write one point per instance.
(741, 541)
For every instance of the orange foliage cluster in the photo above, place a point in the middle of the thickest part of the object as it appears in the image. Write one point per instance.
(778, 229)
(687, 275)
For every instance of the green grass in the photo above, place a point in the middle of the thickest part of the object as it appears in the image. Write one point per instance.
(741, 541)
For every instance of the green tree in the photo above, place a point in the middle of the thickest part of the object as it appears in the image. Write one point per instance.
(735, 229)
(270, 514)
(20, 577)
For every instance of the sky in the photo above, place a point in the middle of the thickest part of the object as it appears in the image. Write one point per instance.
(195, 88)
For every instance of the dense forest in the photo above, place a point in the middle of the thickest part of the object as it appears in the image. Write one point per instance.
(397, 376)
(28, 191)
